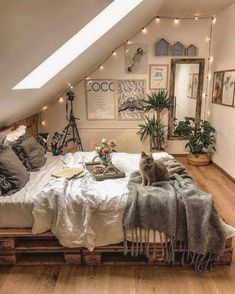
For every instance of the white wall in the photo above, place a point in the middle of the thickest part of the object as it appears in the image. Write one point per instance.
(223, 117)
(187, 31)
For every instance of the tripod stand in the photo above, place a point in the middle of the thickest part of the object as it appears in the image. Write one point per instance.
(71, 133)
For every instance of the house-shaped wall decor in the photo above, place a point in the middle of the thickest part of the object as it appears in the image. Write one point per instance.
(162, 48)
(191, 50)
(178, 49)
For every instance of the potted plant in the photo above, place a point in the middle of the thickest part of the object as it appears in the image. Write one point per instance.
(201, 145)
(185, 128)
(153, 127)
(104, 151)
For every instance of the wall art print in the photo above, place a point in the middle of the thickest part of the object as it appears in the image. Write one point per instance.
(217, 87)
(228, 88)
(158, 76)
(130, 94)
(100, 99)
(136, 58)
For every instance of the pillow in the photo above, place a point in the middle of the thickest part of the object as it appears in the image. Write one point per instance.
(17, 148)
(14, 135)
(13, 174)
(3, 135)
(34, 152)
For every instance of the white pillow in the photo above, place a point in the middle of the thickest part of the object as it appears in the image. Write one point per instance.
(14, 135)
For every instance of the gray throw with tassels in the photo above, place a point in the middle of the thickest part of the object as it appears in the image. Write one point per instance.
(180, 211)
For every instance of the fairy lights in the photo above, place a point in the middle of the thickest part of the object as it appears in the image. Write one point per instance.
(144, 30)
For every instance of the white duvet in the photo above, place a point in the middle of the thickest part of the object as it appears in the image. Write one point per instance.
(84, 212)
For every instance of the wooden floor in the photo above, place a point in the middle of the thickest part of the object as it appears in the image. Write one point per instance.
(133, 279)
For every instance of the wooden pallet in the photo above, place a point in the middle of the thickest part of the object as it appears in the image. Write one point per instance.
(21, 247)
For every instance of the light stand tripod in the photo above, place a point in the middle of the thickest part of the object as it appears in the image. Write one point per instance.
(71, 133)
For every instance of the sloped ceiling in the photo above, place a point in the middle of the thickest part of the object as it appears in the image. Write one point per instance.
(30, 31)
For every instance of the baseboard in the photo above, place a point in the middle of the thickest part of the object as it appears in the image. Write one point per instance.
(224, 172)
(179, 155)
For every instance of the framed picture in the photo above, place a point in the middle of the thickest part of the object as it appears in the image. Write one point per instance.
(136, 58)
(228, 88)
(158, 76)
(100, 99)
(217, 89)
(130, 94)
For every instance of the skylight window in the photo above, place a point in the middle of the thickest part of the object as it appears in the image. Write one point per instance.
(75, 46)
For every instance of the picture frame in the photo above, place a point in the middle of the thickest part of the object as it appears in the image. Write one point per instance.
(228, 88)
(100, 99)
(130, 94)
(217, 88)
(136, 58)
(158, 76)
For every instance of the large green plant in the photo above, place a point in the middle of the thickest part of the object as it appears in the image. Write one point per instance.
(158, 101)
(153, 127)
(204, 140)
(185, 128)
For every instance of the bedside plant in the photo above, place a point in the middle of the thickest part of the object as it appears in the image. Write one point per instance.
(201, 145)
(153, 127)
(185, 128)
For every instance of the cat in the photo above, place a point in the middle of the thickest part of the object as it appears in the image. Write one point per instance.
(152, 170)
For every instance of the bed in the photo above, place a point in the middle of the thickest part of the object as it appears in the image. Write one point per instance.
(46, 209)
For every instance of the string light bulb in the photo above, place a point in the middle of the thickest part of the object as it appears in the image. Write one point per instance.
(101, 67)
(209, 77)
(208, 39)
(157, 19)
(196, 18)
(176, 20)
(144, 30)
(71, 87)
(44, 108)
(61, 100)
(43, 123)
(213, 20)
(114, 53)
(87, 78)
(211, 59)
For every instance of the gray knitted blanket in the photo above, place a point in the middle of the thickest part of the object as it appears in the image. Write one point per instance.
(180, 212)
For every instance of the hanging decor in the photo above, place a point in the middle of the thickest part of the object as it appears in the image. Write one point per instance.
(158, 76)
(130, 94)
(100, 99)
(136, 58)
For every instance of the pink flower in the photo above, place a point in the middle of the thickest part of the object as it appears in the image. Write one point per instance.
(105, 151)
(112, 143)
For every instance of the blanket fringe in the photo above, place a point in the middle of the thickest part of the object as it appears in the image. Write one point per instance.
(140, 245)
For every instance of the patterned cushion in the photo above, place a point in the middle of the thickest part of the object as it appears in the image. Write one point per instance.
(18, 149)
(13, 174)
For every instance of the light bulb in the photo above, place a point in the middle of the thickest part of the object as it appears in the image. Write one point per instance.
(114, 53)
(101, 67)
(144, 30)
(213, 20)
(176, 20)
(61, 100)
(44, 108)
(43, 123)
(157, 19)
(211, 59)
(208, 39)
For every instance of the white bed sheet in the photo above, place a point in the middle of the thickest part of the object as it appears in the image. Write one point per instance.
(16, 210)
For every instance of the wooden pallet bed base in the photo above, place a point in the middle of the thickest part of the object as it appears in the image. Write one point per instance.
(21, 247)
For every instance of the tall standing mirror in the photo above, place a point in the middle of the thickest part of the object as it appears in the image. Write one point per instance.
(186, 86)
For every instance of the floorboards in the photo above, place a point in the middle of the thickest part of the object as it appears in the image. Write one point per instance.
(133, 279)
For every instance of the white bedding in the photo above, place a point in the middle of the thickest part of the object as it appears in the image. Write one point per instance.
(84, 212)
(80, 212)
(16, 210)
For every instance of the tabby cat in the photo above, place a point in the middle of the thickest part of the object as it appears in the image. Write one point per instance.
(152, 170)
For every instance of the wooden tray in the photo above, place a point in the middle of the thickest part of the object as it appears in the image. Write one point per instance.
(101, 177)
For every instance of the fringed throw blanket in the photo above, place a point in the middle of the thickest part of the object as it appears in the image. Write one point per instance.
(180, 212)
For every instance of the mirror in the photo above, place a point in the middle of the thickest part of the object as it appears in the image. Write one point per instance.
(186, 85)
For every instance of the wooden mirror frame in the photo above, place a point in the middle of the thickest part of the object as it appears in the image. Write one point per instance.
(174, 62)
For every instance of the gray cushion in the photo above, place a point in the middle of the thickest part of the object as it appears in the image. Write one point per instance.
(34, 152)
(13, 173)
(2, 138)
